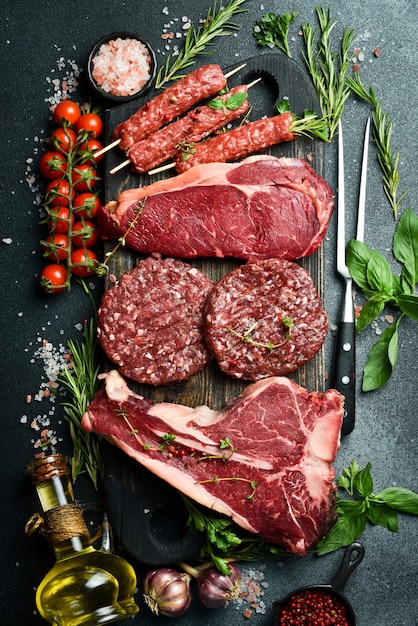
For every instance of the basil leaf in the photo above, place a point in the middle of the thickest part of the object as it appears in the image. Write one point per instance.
(408, 303)
(217, 104)
(383, 514)
(379, 274)
(379, 363)
(235, 101)
(370, 310)
(351, 522)
(405, 245)
(400, 499)
(357, 257)
(363, 481)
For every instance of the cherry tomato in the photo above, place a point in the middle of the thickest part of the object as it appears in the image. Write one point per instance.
(83, 262)
(92, 145)
(91, 123)
(84, 234)
(53, 278)
(63, 138)
(68, 112)
(59, 219)
(58, 193)
(52, 165)
(86, 205)
(56, 246)
(84, 177)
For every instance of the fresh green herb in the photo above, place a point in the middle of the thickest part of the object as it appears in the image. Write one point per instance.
(230, 104)
(82, 384)
(364, 506)
(310, 125)
(382, 135)
(372, 273)
(273, 30)
(217, 24)
(328, 67)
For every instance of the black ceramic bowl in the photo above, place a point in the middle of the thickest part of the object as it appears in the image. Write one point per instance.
(119, 77)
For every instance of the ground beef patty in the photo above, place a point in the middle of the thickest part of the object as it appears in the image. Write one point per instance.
(264, 319)
(150, 322)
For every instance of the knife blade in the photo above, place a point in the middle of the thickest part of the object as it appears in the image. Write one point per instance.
(344, 369)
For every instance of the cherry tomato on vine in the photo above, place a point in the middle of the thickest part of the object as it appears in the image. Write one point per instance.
(68, 112)
(53, 278)
(91, 123)
(92, 145)
(83, 262)
(86, 205)
(52, 165)
(63, 138)
(84, 234)
(58, 192)
(84, 177)
(56, 246)
(59, 219)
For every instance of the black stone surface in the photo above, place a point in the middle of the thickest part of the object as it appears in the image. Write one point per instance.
(39, 41)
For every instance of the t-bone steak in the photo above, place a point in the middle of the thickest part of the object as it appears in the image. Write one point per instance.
(150, 321)
(260, 208)
(264, 319)
(265, 459)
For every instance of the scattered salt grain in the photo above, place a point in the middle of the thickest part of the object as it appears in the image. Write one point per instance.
(122, 67)
(253, 586)
(7, 240)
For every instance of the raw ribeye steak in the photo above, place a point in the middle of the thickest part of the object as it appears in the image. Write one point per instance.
(260, 208)
(150, 321)
(264, 319)
(264, 460)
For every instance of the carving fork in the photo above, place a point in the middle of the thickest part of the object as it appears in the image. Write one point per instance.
(344, 371)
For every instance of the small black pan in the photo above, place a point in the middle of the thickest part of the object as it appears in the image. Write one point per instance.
(352, 557)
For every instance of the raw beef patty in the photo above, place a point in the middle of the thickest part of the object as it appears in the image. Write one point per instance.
(264, 319)
(150, 322)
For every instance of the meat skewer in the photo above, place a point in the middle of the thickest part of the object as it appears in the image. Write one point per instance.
(239, 142)
(175, 100)
(192, 128)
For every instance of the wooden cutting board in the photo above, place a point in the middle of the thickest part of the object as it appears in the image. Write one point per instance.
(129, 489)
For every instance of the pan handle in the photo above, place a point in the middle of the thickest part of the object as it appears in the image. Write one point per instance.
(353, 556)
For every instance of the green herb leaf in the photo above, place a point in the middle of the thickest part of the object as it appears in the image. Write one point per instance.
(382, 514)
(381, 359)
(402, 500)
(379, 274)
(350, 525)
(405, 246)
(273, 30)
(357, 258)
(370, 310)
(363, 481)
(408, 303)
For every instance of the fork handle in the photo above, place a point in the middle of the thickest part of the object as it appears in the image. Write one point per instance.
(344, 373)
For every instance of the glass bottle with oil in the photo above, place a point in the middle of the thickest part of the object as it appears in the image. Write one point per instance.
(86, 586)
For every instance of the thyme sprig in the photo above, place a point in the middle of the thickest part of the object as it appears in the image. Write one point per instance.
(382, 135)
(81, 383)
(328, 67)
(216, 24)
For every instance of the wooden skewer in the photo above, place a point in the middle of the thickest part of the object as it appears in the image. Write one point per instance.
(117, 141)
(168, 166)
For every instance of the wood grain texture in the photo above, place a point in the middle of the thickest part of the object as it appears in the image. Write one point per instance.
(281, 78)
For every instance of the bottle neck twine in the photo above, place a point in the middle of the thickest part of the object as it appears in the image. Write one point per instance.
(59, 524)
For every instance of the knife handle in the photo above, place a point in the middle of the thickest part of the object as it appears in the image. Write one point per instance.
(344, 374)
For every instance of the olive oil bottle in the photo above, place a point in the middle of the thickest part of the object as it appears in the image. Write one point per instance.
(86, 586)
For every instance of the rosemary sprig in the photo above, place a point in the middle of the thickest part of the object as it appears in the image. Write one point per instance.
(328, 67)
(217, 24)
(382, 134)
(81, 383)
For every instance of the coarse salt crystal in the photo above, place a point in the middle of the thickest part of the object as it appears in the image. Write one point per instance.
(122, 67)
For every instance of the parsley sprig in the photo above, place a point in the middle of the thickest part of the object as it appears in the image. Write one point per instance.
(272, 30)
(217, 24)
(373, 274)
